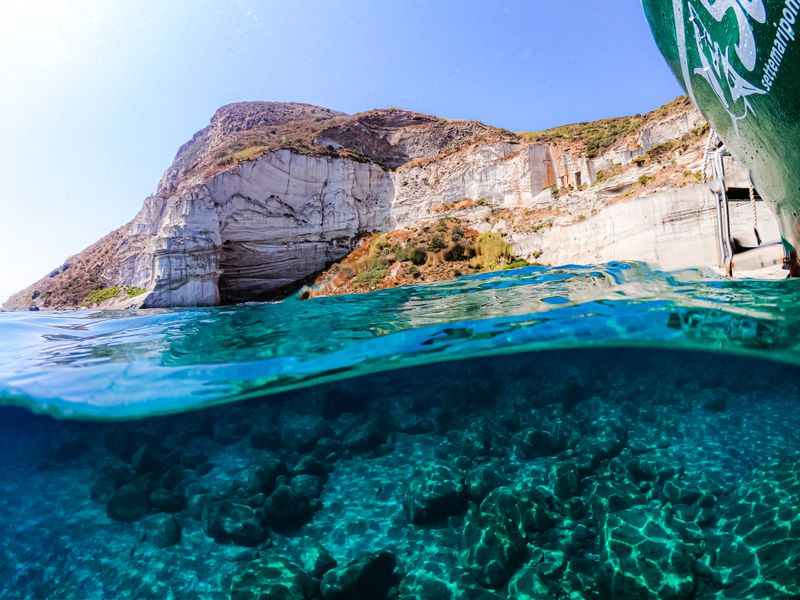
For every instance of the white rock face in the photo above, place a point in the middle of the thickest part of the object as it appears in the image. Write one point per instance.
(253, 230)
(671, 230)
(276, 220)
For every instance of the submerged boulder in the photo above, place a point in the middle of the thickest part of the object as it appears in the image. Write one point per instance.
(371, 576)
(129, 503)
(162, 530)
(273, 578)
(644, 557)
(435, 493)
(108, 479)
(287, 508)
(492, 547)
(315, 558)
(230, 523)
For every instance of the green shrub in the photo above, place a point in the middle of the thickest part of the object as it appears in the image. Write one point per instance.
(372, 275)
(645, 179)
(411, 254)
(102, 294)
(661, 150)
(457, 234)
(380, 247)
(640, 161)
(437, 244)
(517, 264)
(491, 247)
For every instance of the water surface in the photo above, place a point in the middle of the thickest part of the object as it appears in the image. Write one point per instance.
(577, 432)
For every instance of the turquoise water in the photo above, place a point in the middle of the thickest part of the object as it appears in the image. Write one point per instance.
(122, 364)
(574, 432)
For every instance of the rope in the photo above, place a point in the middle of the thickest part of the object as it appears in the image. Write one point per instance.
(755, 212)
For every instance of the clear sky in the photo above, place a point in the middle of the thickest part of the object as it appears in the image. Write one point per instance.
(96, 96)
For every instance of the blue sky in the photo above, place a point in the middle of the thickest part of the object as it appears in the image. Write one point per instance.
(97, 96)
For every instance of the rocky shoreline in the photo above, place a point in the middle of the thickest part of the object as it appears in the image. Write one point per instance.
(608, 478)
(269, 196)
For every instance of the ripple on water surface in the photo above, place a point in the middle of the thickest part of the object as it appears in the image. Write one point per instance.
(122, 364)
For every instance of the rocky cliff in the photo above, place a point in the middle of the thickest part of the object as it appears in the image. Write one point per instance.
(271, 194)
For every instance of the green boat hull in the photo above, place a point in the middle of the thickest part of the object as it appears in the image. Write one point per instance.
(739, 61)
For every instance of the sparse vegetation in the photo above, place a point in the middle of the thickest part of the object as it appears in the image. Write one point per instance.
(101, 295)
(441, 250)
(596, 137)
(645, 179)
(661, 150)
(371, 276)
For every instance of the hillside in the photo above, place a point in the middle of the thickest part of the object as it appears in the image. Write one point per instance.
(271, 196)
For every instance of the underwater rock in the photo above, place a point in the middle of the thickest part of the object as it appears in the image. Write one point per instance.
(548, 439)
(474, 442)
(757, 546)
(262, 478)
(492, 547)
(481, 480)
(371, 576)
(196, 504)
(162, 530)
(423, 586)
(315, 558)
(301, 432)
(365, 436)
(309, 486)
(109, 478)
(653, 468)
(229, 523)
(609, 496)
(563, 478)
(129, 503)
(605, 442)
(148, 459)
(192, 458)
(532, 511)
(273, 577)
(434, 493)
(539, 578)
(645, 558)
(168, 501)
(309, 465)
(287, 509)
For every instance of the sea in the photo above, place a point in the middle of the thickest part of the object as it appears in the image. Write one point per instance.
(582, 431)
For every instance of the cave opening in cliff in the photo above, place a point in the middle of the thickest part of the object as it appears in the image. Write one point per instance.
(262, 271)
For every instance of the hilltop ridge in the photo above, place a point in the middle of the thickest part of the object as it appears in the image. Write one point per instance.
(270, 195)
